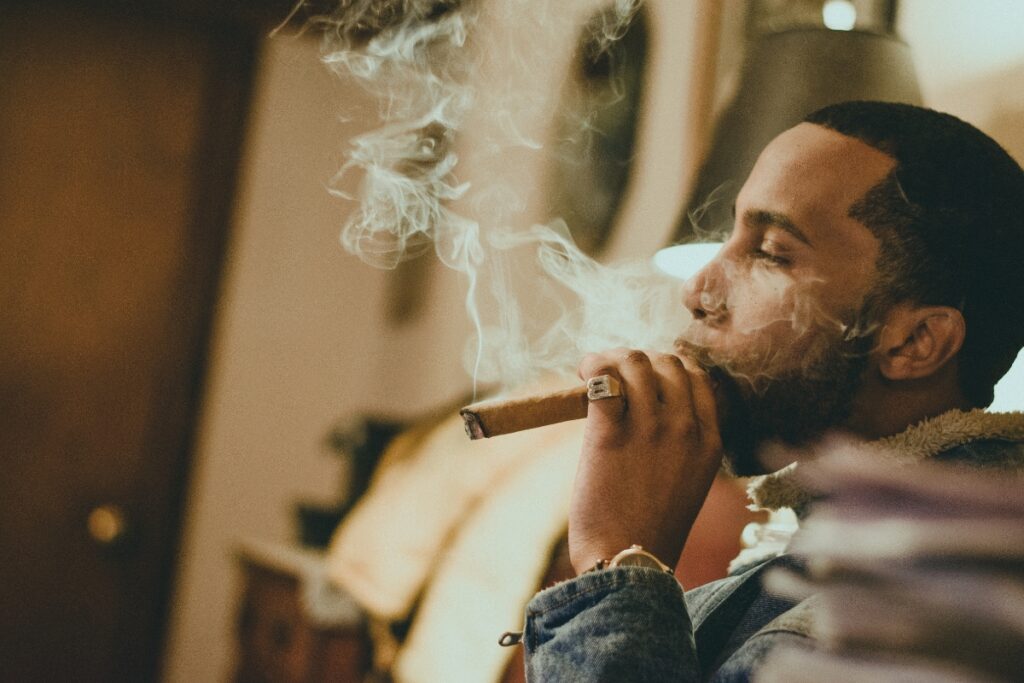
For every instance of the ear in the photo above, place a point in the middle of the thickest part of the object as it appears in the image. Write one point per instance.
(917, 342)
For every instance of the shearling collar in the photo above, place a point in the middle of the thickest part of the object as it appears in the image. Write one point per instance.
(919, 442)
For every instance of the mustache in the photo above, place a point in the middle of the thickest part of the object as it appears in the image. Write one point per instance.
(700, 353)
(719, 369)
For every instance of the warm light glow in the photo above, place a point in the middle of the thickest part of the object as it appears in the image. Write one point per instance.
(684, 260)
(961, 43)
(839, 15)
(1010, 389)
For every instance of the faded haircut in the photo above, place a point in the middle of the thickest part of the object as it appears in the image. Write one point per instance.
(950, 221)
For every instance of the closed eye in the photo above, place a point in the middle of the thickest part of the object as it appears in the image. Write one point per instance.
(769, 258)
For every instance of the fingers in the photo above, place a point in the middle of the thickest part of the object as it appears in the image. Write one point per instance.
(673, 381)
(655, 385)
(640, 380)
(704, 401)
(648, 461)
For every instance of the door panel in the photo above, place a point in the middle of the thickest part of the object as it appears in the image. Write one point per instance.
(118, 142)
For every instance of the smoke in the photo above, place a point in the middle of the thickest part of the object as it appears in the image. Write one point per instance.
(410, 56)
(437, 69)
(473, 77)
(593, 306)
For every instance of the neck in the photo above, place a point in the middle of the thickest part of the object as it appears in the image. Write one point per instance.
(885, 407)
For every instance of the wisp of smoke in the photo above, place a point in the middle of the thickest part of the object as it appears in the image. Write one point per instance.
(536, 301)
(592, 306)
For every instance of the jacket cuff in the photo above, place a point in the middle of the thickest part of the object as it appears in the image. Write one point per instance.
(602, 581)
(617, 624)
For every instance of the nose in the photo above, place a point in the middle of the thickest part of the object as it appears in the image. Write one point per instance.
(691, 299)
(698, 296)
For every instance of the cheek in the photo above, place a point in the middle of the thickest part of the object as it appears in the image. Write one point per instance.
(763, 302)
(775, 323)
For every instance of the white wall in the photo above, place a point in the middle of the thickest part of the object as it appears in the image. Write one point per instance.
(970, 61)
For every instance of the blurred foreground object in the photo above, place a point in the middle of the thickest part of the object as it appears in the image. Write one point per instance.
(913, 574)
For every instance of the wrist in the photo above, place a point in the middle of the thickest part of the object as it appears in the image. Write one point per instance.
(631, 556)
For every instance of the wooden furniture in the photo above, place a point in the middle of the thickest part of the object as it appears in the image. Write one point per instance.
(293, 626)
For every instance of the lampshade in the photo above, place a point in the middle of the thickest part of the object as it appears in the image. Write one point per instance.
(785, 76)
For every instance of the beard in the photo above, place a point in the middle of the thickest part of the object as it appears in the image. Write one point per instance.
(792, 405)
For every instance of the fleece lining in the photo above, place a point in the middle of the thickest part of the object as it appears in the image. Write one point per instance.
(919, 442)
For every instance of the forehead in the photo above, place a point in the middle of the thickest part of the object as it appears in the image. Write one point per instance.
(813, 175)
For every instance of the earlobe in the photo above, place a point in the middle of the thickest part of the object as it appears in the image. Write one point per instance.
(918, 342)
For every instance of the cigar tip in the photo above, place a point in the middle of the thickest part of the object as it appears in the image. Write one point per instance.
(474, 428)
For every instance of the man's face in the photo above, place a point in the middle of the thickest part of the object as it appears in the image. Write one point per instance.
(776, 308)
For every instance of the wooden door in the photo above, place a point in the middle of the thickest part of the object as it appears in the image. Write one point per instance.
(119, 137)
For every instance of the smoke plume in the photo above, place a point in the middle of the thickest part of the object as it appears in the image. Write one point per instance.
(436, 69)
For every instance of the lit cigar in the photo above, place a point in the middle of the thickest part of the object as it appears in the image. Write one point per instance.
(493, 418)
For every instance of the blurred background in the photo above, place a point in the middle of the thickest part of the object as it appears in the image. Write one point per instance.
(196, 380)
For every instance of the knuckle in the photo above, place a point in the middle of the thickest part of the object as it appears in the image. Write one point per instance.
(669, 360)
(636, 357)
(694, 368)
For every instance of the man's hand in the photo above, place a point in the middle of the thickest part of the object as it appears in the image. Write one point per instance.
(648, 458)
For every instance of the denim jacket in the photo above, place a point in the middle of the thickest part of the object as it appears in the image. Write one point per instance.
(636, 624)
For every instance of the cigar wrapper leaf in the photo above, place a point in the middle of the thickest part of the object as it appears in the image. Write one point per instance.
(496, 417)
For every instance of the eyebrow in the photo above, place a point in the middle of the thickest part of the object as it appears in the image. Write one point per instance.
(763, 219)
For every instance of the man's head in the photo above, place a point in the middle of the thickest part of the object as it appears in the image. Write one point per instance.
(874, 254)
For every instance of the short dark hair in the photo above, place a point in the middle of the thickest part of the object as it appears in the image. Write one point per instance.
(950, 222)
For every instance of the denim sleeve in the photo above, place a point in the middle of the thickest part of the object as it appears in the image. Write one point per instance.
(621, 624)
(740, 667)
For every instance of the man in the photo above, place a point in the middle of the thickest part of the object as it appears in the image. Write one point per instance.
(870, 283)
